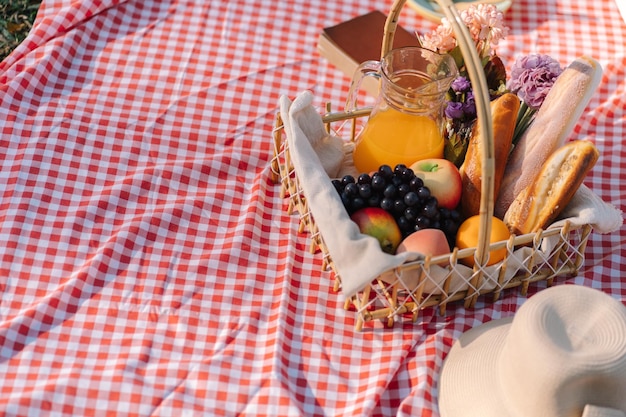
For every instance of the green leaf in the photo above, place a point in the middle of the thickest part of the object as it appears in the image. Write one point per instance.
(457, 141)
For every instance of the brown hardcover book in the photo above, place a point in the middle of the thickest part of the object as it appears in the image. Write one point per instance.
(348, 44)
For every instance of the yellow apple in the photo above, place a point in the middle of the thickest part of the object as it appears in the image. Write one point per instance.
(442, 178)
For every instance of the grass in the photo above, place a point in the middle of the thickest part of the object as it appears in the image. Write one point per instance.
(16, 20)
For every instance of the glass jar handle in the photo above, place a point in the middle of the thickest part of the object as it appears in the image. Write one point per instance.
(369, 68)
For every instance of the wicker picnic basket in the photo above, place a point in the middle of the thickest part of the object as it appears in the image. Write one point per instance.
(390, 299)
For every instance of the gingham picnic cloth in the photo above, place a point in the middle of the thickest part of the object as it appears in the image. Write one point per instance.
(148, 265)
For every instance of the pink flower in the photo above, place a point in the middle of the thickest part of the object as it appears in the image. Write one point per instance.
(440, 40)
(484, 22)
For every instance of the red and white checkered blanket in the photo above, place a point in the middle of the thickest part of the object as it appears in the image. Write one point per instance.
(148, 266)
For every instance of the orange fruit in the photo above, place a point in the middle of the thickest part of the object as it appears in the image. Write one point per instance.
(467, 237)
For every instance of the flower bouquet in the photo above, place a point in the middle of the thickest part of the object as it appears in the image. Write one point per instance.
(531, 76)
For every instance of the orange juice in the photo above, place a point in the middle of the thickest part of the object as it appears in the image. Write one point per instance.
(392, 137)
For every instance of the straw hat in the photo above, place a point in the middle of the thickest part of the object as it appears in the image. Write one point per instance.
(562, 355)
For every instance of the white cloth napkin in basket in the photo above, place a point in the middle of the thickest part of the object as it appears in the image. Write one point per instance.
(358, 257)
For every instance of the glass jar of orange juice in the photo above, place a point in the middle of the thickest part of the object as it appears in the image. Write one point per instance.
(406, 122)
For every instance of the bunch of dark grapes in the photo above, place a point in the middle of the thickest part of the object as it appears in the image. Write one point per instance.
(403, 194)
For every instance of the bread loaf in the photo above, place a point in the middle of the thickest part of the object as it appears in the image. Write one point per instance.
(504, 111)
(540, 203)
(553, 124)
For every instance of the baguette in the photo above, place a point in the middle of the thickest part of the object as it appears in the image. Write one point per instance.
(504, 111)
(553, 124)
(540, 203)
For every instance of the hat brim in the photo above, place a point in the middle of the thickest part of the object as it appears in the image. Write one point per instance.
(468, 383)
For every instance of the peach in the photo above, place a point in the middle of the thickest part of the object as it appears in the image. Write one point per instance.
(431, 242)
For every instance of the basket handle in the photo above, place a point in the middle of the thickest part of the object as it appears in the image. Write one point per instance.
(483, 110)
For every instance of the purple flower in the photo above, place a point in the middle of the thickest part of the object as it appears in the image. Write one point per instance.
(469, 106)
(532, 76)
(454, 110)
(460, 85)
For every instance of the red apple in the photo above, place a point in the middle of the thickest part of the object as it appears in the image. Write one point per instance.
(442, 178)
(380, 224)
(426, 241)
